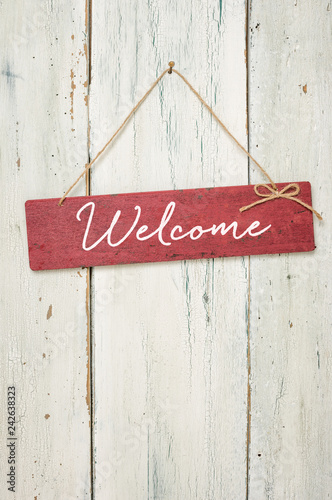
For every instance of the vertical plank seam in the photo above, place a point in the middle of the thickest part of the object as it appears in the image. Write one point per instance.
(248, 389)
(248, 440)
(90, 352)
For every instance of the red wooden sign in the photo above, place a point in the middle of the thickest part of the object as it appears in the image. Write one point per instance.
(163, 226)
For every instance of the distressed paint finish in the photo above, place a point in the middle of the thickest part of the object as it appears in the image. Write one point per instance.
(290, 328)
(43, 317)
(170, 353)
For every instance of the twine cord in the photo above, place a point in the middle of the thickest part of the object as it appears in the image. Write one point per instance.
(274, 193)
(132, 112)
(224, 127)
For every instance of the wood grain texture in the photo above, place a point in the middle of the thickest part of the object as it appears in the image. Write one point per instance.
(170, 351)
(290, 132)
(43, 317)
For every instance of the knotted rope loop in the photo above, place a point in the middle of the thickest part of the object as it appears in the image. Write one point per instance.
(288, 192)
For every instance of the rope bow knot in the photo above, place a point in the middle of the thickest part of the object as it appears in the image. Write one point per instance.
(288, 192)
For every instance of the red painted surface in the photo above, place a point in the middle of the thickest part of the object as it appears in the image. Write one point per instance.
(56, 236)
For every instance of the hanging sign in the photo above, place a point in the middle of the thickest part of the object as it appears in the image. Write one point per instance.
(168, 225)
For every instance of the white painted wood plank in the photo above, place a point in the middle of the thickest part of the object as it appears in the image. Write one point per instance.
(170, 338)
(43, 314)
(290, 132)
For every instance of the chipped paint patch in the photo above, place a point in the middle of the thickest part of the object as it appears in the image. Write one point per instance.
(73, 87)
(49, 312)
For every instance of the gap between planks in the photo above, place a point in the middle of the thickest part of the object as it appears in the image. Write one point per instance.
(248, 437)
(89, 345)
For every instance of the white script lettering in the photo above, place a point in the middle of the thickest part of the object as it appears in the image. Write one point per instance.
(194, 233)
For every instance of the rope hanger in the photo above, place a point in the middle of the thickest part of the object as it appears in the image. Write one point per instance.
(288, 192)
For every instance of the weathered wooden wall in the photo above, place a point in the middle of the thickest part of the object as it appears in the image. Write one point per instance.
(290, 323)
(200, 380)
(44, 324)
